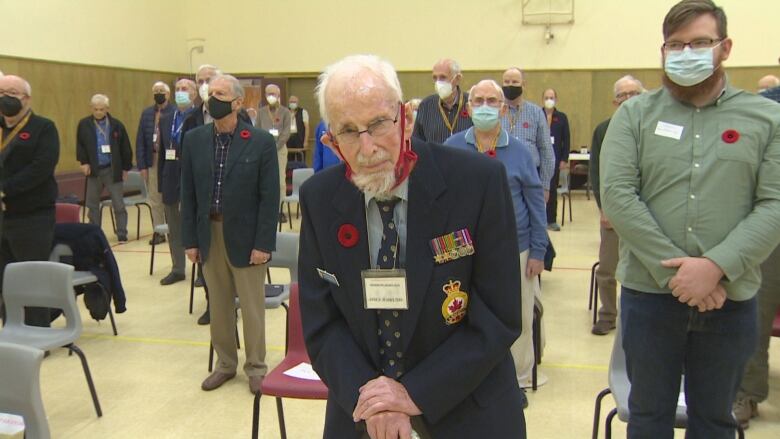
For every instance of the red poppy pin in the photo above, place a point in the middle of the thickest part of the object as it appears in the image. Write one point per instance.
(24, 135)
(464, 114)
(730, 136)
(555, 119)
(244, 134)
(116, 135)
(491, 153)
(348, 235)
(525, 124)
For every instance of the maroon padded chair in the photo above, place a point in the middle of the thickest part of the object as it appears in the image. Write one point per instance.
(67, 213)
(279, 385)
(776, 324)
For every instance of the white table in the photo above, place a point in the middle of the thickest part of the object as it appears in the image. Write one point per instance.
(579, 156)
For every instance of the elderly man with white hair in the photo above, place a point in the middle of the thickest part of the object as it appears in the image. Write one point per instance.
(28, 156)
(406, 273)
(486, 106)
(147, 149)
(229, 208)
(443, 113)
(276, 119)
(103, 149)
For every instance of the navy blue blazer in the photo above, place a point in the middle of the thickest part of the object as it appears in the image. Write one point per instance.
(250, 192)
(144, 140)
(461, 375)
(169, 171)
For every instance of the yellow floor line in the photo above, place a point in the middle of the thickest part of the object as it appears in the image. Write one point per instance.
(163, 341)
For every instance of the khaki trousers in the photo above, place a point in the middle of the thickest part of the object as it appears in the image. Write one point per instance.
(523, 348)
(282, 174)
(155, 196)
(225, 281)
(605, 274)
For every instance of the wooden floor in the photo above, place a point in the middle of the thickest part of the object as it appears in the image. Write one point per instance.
(148, 378)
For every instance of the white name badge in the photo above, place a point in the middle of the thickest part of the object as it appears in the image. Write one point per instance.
(552, 140)
(170, 154)
(665, 129)
(154, 137)
(274, 132)
(105, 149)
(385, 289)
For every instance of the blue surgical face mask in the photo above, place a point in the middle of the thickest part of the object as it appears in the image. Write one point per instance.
(484, 117)
(183, 98)
(689, 67)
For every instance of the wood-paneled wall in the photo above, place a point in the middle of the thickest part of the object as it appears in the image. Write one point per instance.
(61, 92)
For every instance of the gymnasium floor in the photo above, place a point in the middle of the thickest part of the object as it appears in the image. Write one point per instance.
(148, 378)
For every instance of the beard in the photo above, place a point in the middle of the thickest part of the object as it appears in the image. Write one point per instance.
(378, 185)
(704, 88)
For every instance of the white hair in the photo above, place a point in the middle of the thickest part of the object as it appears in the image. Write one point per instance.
(627, 78)
(235, 84)
(210, 67)
(493, 83)
(188, 82)
(454, 66)
(164, 86)
(99, 99)
(352, 64)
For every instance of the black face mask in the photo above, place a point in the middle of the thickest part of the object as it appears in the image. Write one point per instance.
(10, 106)
(219, 109)
(512, 92)
(159, 98)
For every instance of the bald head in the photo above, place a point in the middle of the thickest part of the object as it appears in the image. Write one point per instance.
(767, 82)
(19, 89)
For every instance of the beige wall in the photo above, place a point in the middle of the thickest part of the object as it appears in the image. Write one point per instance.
(305, 35)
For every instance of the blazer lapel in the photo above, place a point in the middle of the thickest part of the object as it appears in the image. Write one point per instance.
(426, 218)
(350, 209)
(237, 147)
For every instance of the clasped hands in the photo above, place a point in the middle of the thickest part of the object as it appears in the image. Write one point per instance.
(387, 408)
(697, 282)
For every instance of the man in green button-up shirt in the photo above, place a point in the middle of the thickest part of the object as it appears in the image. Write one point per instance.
(691, 183)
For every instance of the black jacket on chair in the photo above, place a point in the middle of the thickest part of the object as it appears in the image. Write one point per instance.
(461, 374)
(86, 146)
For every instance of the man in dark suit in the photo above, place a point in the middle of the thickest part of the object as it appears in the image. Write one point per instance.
(103, 149)
(29, 153)
(229, 206)
(425, 349)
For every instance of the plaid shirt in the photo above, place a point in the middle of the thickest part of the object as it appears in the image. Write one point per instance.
(772, 93)
(221, 148)
(529, 123)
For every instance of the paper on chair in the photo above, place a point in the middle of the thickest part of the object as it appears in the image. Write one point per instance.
(11, 426)
(303, 371)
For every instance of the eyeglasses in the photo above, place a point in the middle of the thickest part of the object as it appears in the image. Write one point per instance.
(699, 43)
(627, 94)
(480, 101)
(379, 128)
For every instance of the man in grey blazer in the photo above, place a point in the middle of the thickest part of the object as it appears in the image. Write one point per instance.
(229, 207)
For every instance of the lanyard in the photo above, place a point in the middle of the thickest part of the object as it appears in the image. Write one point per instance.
(15, 131)
(451, 125)
(103, 132)
(514, 117)
(176, 132)
(480, 148)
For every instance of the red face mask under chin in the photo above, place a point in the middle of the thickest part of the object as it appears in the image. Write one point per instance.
(406, 159)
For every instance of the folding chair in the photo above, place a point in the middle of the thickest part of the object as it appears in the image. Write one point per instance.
(49, 285)
(134, 183)
(565, 193)
(67, 213)
(298, 177)
(593, 297)
(20, 388)
(279, 385)
(161, 229)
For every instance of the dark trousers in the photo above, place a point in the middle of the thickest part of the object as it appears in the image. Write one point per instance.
(552, 202)
(662, 339)
(27, 238)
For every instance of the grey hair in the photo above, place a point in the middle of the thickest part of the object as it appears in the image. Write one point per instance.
(493, 83)
(627, 78)
(100, 99)
(189, 82)
(379, 67)
(235, 84)
(210, 67)
(164, 85)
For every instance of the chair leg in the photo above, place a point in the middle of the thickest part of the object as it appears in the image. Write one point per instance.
(592, 281)
(597, 411)
(211, 356)
(137, 222)
(297, 210)
(286, 327)
(151, 216)
(289, 215)
(151, 263)
(608, 424)
(595, 302)
(256, 415)
(192, 286)
(536, 340)
(563, 210)
(740, 432)
(73, 348)
(110, 312)
(280, 412)
(570, 218)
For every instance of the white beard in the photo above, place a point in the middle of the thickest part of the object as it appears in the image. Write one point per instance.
(378, 184)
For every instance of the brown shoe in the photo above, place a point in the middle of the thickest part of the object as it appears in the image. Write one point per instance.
(216, 379)
(744, 410)
(255, 384)
(602, 327)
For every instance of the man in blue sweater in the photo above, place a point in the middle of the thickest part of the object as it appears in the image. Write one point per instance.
(486, 105)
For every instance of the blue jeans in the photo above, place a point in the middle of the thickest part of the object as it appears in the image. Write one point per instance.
(663, 339)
